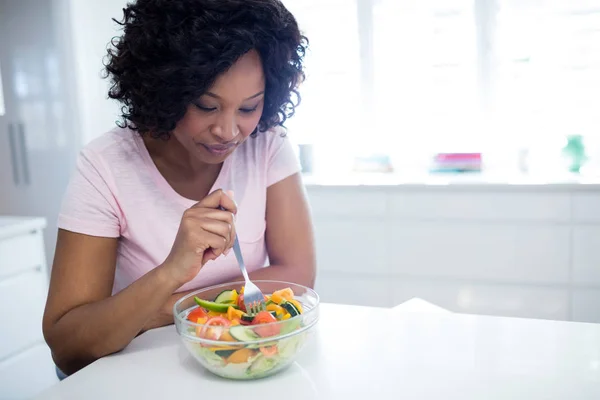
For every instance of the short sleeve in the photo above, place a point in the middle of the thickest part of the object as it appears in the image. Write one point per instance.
(89, 205)
(282, 160)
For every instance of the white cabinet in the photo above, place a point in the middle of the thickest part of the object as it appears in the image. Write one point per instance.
(39, 135)
(26, 366)
(526, 301)
(506, 252)
(531, 251)
(355, 289)
(586, 255)
(585, 305)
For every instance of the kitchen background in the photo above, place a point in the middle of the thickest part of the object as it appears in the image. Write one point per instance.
(451, 151)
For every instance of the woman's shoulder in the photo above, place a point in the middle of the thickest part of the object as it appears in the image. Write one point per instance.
(264, 144)
(112, 147)
(271, 153)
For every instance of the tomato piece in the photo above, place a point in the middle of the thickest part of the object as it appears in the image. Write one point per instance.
(196, 313)
(213, 329)
(265, 317)
(240, 302)
(218, 321)
(269, 351)
(200, 321)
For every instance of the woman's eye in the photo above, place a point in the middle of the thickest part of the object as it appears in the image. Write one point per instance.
(206, 109)
(248, 110)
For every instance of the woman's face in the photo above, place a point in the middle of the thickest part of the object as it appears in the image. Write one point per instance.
(220, 120)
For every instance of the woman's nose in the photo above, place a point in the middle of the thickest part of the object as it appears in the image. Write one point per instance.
(226, 128)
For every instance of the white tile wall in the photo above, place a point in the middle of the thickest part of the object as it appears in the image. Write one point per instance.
(522, 253)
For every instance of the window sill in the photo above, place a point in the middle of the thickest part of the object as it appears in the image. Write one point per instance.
(455, 180)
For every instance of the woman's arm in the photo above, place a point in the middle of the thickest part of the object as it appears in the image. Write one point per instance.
(82, 321)
(164, 316)
(289, 235)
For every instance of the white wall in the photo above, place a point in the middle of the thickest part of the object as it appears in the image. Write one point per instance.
(92, 29)
(501, 250)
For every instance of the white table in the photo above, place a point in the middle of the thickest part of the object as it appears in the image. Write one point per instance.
(414, 351)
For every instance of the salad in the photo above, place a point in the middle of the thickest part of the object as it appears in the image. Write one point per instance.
(234, 344)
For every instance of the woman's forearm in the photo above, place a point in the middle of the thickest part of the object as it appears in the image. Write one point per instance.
(165, 315)
(93, 330)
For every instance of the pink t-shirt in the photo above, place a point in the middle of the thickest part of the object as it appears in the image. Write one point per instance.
(117, 191)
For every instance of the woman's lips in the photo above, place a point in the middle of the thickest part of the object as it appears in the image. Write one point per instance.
(219, 149)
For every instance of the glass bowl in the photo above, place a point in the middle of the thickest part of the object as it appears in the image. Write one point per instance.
(245, 350)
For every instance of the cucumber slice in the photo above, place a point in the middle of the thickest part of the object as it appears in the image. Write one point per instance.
(259, 345)
(247, 318)
(242, 333)
(224, 353)
(289, 307)
(250, 318)
(226, 297)
(212, 306)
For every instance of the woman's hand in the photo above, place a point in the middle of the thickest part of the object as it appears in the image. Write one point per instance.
(205, 233)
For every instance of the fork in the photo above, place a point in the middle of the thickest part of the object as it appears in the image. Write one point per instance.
(254, 300)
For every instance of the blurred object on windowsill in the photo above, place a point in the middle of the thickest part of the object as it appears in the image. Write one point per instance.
(523, 160)
(574, 152)
(381, 163)
(457, 163)
(306, 156)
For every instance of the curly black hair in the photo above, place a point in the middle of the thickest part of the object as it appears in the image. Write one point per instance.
(172, 51)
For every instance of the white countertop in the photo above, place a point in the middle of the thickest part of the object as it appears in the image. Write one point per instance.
(414, 351)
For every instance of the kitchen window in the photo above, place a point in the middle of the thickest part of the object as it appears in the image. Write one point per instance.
(407, 79)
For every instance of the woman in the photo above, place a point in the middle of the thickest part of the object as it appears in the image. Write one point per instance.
(154, 205)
